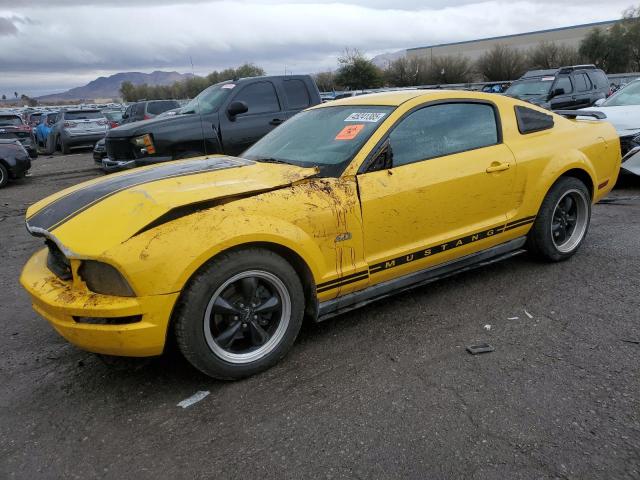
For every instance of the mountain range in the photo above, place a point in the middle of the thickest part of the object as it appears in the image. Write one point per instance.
(109, 87)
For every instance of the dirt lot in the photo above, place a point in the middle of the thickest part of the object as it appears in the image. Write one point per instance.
(384, 392)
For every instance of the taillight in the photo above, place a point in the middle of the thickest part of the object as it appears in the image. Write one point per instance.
(113, 124)
(70, 124)
(147, 117)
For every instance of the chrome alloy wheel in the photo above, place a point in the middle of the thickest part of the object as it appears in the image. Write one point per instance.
(570, 220)
(247, 316)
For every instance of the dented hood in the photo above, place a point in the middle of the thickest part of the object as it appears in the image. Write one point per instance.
(89, 218)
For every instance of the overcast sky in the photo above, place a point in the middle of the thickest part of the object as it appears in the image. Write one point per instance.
(53, 45)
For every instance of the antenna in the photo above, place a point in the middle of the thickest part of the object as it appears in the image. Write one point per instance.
(204, 141)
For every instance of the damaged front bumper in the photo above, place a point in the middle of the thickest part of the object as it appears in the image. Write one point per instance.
(124, 326)
(631, 161)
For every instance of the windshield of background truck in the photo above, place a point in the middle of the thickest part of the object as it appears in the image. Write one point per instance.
(531, 87)
(209, 100)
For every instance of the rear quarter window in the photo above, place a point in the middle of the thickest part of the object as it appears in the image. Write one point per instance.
(599, 79)
(530, 121)
(297, 94)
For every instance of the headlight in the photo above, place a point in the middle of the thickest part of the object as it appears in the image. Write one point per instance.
(104, 279)
(145, 142)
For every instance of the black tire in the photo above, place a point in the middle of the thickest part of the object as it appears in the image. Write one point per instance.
(64, 148)
(554, 237)
(198, 326)
(4, 175)
(49, 146)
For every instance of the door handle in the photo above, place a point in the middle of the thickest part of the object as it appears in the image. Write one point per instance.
(498, 167)
(276, 121)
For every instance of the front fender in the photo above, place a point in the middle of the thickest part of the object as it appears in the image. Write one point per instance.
(162, 260)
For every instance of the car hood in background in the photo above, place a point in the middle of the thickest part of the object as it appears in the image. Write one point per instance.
(145, 126)
(89, 218)
(625, 119)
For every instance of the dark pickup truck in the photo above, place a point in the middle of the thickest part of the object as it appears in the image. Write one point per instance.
(225, 118)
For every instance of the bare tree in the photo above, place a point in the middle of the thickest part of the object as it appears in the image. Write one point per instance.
(549, 55)
(326, 81)
(357, 72)
(449, 69)
(631, 21)
(501, 63)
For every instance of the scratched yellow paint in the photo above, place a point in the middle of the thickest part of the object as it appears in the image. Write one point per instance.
(336, 226)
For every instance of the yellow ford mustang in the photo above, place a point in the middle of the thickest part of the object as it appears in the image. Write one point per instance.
(344, 204)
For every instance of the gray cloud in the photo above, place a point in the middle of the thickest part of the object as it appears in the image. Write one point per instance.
(73, 40)
(7, 27)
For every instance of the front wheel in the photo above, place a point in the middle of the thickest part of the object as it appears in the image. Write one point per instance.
(562, 222)
(240, 314)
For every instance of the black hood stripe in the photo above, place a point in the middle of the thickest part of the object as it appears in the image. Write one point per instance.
(74, 203)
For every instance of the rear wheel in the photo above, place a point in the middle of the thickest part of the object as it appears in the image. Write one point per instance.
(562, 222)
(49, 145)
(64, 148)
(240, 315)
(4, 175)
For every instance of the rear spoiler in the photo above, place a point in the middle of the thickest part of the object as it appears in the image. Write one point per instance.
(572, 114)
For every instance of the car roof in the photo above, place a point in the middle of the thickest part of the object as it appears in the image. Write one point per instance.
(541, 73)
(398, 97)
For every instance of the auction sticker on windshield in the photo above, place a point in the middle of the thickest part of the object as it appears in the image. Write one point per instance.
(372, 117)
(350, 132)
(229, 86)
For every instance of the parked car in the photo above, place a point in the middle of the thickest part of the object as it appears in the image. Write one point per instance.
(33, 119)
(346, 203)
(148, 109)
(78, 128)
(225, 118)
(15, 161)
(566, 88)
(13, 127)
(47, 121)
(623, 111)
(114, 117)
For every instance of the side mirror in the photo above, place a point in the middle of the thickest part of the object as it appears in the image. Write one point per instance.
(237, 108)
(556, 92)
(599, 102)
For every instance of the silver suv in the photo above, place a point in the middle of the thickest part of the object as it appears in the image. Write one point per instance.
(78, 128)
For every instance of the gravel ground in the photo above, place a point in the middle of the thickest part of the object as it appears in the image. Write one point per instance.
(387, 391)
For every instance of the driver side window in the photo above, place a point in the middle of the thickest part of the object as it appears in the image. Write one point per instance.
(441, 130)
(565, 84)
(260, 97)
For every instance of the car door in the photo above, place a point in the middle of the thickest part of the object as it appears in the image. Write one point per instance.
(566, 99)
(583, 88)
(447, 193)
(265, 113)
